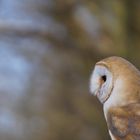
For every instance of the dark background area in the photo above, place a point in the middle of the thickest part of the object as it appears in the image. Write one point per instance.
(48, 49)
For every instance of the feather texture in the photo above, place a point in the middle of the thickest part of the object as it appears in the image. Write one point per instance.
(124, 122)
(119, 93)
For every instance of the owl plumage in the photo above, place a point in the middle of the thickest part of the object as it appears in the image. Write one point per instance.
(116, 83)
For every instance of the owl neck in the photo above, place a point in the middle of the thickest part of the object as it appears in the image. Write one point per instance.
(125, 92)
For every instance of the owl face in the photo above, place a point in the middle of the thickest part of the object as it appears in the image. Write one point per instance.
(111, 79)
(101, 83)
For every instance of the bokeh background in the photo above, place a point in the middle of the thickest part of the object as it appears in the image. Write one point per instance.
(48, 49)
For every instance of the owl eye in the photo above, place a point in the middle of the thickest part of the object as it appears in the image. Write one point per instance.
(103, 78)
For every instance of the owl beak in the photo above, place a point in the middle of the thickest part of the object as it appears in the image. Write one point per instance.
(97, 93)
(94, 88)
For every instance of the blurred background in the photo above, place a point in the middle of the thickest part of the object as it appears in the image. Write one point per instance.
(48, 49)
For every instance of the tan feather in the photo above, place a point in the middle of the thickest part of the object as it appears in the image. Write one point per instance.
(124, 122)
(120, 95)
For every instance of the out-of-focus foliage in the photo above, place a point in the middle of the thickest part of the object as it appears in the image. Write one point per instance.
(47, 51)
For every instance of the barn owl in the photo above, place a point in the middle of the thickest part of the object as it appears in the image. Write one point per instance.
(116, 83)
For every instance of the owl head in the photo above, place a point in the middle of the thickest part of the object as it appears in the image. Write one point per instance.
(113, 75)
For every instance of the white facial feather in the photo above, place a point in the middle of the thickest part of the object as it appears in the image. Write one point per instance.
(94, 81)
(97, 86)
